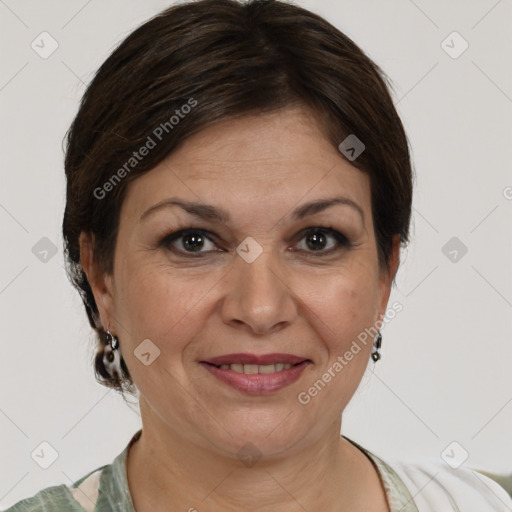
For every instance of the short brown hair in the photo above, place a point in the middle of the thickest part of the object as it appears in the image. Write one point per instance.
(231, 59)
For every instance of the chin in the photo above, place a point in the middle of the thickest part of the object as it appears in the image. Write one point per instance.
(265, 434)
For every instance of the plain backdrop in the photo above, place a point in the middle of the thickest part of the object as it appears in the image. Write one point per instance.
(446, 373)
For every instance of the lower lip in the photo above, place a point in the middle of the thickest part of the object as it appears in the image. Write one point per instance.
(258, 383)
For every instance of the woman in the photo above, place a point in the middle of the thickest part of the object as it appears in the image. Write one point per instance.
(238, 188)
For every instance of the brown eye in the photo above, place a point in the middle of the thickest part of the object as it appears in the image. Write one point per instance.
(193, 241)
(317, 240)
(187, 241)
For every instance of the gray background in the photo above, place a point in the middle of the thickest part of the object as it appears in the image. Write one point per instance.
(446, 370)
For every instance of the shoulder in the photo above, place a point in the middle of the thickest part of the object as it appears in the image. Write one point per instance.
(437, 486)
(77, 497)
(57, 498)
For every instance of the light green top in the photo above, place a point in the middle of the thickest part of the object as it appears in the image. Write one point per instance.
(113, 494)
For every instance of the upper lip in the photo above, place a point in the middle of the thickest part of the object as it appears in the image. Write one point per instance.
(262, 359)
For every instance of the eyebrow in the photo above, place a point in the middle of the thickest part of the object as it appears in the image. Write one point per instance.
(213, 213)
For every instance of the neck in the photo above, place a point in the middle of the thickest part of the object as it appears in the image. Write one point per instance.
(169, 471)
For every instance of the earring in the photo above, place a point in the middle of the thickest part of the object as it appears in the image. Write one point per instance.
(377, 344)
(112, 356)
(112, 341)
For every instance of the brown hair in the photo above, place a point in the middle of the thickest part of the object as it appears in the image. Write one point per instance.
(223, 59)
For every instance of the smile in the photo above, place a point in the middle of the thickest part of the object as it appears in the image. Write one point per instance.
(256, 379)
(251, 369)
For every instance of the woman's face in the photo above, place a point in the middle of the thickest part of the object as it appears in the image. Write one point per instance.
(251, 277)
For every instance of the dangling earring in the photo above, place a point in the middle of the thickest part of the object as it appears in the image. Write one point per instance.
(377, 344)
(112, 356)
(112, 341)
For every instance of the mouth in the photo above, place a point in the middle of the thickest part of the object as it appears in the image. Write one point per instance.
(254, 374)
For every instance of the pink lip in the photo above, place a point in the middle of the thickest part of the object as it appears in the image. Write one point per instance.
(258, 383)
(255, 359)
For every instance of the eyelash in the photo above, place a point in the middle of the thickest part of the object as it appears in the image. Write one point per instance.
(341, 240)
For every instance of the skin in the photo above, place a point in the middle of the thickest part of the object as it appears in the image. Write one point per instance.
(289, 300)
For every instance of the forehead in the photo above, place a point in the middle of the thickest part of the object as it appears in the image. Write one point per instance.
(273, 144)
(261, 160)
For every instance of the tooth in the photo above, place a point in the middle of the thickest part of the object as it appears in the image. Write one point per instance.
(250, 368)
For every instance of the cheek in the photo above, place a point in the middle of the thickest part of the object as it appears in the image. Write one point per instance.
(156, 302)
(341, 315)
(345, 306)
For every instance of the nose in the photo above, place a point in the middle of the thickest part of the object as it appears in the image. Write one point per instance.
(259, 298)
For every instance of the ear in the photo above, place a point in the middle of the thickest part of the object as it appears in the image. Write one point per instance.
(101, 283)
(386, 276)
